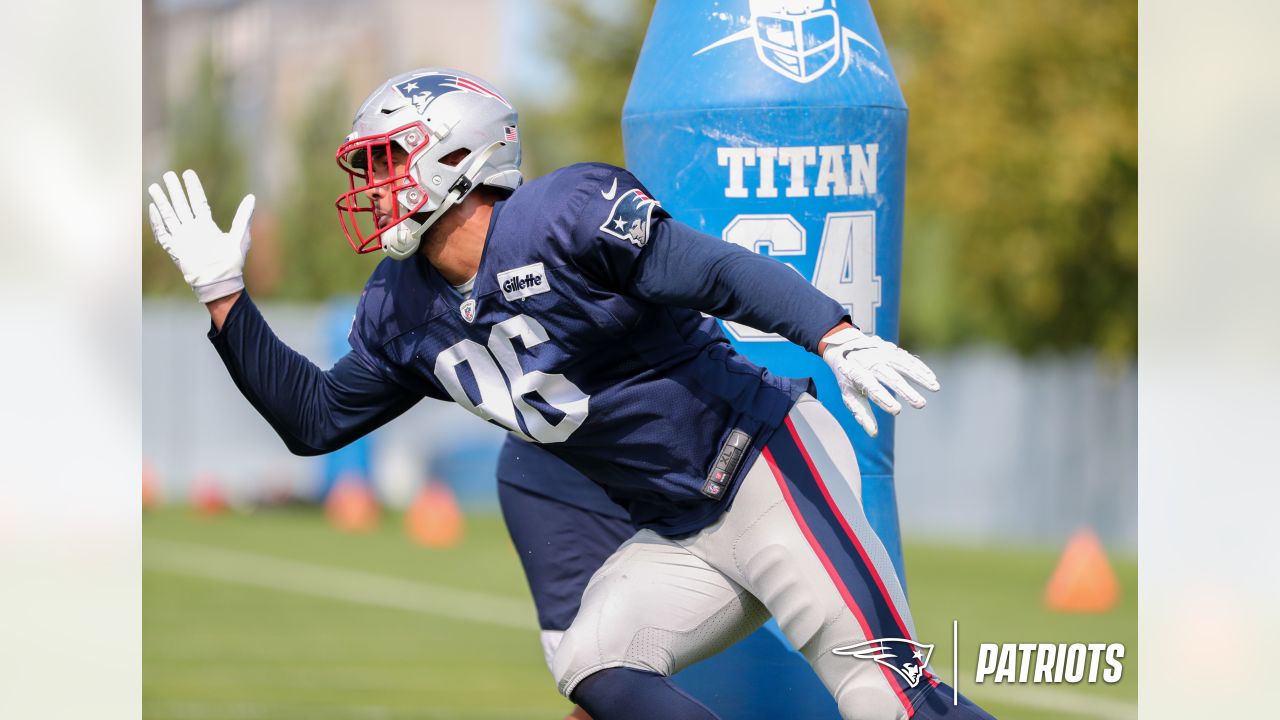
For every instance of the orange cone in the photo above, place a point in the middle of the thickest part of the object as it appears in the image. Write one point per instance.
(150, 486)
(350, 506)
(434, 519)
(1083, 582)
(208, 497)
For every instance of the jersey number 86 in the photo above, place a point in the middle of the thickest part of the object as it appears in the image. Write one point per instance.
(504, 384)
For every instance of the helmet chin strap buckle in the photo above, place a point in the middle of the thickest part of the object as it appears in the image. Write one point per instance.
(407, 241)
(462, 186)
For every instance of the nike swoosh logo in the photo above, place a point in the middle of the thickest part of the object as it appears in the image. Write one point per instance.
(613, 190)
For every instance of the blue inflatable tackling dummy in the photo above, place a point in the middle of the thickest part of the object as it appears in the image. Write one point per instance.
(779, 125)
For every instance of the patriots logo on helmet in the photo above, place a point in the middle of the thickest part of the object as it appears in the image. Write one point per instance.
(629, 220)
(422, 90)
(907, 658)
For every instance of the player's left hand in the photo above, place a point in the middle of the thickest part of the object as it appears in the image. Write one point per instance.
(863, 364)
(211, 261)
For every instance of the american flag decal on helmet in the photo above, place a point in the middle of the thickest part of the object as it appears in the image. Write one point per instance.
(509, 133)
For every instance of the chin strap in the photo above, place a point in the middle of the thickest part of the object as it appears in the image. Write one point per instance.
(406, 241)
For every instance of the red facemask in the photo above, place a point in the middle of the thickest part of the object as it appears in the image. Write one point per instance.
(357, 206)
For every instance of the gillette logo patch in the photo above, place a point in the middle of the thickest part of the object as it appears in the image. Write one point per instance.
(523, 282)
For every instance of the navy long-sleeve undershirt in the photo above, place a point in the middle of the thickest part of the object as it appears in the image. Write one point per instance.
(681, 266)
(317, 411)
(314, 411)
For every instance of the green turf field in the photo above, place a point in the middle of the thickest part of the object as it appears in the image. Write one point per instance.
(275, 615)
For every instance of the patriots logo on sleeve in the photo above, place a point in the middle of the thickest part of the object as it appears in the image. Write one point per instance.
(907, 658)
(630, 217)
(421, 90)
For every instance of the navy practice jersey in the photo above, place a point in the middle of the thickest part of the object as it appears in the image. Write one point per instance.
(576, 337)
(531, 467)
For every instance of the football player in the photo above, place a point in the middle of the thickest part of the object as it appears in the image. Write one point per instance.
(574, 312)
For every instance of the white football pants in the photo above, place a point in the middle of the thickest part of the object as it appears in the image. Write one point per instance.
(795, 544)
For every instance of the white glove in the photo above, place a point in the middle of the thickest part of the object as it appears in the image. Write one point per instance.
(211, 261)
(862, 362)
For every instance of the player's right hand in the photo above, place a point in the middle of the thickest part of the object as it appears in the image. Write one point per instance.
(211, 261)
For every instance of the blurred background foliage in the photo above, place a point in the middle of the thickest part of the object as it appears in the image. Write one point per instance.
(319, 264)
(304, 225)
(202, 138)
(585, 123)
(1021, 211)
(1022, 172)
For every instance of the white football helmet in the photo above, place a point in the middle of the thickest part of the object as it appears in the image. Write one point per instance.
(429, 114)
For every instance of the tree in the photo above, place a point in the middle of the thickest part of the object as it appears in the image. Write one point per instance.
(317, 262)
(1021, 209)
(201, 139)
(586, 124)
